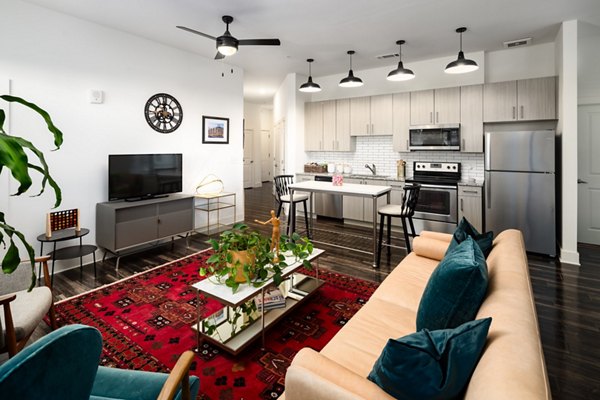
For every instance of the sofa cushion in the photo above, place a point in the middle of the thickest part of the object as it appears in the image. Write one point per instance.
(455, 289)
(431, 364)
(465, 229)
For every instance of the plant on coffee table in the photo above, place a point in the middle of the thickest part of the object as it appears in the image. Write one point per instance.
(243, 255)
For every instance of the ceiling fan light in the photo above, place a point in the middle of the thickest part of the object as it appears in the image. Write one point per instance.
(400, 74)
(310, 86)
(227, 45)
(227, 50)
(351, 80)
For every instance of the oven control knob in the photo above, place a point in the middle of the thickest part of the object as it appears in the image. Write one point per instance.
(448, 167)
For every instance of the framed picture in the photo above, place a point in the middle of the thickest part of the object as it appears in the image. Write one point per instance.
(215, 130)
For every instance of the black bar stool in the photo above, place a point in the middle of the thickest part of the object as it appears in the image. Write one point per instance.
(405, 211)
(283, 196)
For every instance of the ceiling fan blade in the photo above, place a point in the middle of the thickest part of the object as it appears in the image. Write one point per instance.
(219, 56)
(196, 32)
(259, 42)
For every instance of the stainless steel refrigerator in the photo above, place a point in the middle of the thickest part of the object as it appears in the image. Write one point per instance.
(520, 186)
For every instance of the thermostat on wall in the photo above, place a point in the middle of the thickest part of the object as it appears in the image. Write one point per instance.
(96, 96)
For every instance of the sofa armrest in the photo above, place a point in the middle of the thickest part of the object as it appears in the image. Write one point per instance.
(316, 377)
(430, 247)
(444, 237)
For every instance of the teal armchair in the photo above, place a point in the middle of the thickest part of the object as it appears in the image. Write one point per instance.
(64, 365)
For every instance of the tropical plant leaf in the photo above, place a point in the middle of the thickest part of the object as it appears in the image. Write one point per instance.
(11, 259)
(13, 156)
(58, 135)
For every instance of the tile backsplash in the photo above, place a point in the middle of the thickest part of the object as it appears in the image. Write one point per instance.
(378, 150)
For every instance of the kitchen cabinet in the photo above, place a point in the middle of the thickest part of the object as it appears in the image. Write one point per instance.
(522, 100)
(400, 121)
(471, 118)
(313, 126)
(470, 205)
(342, 126)
(371, 115)
(321, 132)
(439, 106)
(361, 208)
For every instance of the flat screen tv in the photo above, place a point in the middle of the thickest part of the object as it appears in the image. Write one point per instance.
(143, 176)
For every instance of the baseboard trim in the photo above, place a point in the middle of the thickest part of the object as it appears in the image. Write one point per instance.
(569, 257)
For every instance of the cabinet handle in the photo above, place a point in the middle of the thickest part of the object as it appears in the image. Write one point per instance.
(372, 129)
(437, 117)
(522, 112)
(431, 116)
(367, 129)
(463, 144)
(461, 205)
(406, 144)
(514, 111)
(470, 191)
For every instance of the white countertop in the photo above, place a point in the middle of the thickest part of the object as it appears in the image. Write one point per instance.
(350, 189)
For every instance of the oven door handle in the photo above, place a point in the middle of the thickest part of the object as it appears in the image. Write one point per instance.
(425, 185)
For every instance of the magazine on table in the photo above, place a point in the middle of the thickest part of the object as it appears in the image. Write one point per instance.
(273, 299)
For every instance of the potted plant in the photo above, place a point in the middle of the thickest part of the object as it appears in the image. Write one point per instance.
(243, 255)
(14, 155)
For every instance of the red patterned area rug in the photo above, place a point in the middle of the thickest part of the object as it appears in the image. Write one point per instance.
(146, 323)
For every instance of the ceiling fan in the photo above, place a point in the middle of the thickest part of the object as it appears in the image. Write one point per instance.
(227, 45)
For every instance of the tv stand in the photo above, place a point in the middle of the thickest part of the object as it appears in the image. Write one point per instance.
(134, 199)
(121, 226)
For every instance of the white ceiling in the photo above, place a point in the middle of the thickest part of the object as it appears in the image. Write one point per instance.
(326, 29)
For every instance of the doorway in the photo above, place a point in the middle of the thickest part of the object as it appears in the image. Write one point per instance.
(279, 148)
(248, 158)
(588, 211)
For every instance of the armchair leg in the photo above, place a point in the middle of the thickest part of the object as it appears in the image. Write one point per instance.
(48, 281)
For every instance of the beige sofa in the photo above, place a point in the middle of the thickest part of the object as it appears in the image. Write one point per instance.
(511, 367)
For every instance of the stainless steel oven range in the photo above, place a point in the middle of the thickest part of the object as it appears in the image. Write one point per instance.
(437, 207)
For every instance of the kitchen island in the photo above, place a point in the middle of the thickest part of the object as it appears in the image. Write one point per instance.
(348, 189)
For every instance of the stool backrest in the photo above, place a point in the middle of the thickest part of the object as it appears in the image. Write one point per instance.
(409, 199)
(281, 185)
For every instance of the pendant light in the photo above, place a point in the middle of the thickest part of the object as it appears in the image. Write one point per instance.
(461, 65)
(351, 80)
(310, 86)
(400, 73)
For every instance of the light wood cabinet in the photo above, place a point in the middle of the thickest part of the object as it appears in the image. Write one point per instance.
(400, 121)
(381, 114)
(313, 126)
(523, 100)
(361, 208)
(329, 126)
(371, 115)
(471, 118)
(360, 116)
(439, 106)
(342, 127)
(470, 205)
(536, 99)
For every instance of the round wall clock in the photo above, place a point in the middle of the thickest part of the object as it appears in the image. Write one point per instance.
(163, 113)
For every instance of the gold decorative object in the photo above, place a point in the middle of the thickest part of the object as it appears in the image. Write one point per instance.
(210, 185)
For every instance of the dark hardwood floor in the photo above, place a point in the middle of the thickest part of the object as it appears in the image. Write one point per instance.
(567, 297)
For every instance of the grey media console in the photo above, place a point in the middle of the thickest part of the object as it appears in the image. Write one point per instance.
(122, 225)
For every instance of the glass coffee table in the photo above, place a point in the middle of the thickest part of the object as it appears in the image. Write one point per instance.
(239, 322)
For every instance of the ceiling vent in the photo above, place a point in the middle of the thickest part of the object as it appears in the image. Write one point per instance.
(386, 56)
(516, 43)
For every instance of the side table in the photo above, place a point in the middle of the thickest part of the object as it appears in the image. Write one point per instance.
(209, 203)
(69, 252)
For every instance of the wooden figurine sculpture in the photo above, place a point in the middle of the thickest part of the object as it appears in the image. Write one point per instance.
(275, 236)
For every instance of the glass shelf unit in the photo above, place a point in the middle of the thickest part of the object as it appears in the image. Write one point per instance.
(215, 203)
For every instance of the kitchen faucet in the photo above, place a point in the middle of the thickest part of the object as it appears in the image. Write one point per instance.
(373, 169)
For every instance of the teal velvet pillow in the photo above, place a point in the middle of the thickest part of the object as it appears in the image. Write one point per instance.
(431, 364)
(456, 288)
(464, 229)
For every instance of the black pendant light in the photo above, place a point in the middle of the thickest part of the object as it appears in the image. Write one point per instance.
(310, 86)
(351, 80)
(400, 73)
(461, 65)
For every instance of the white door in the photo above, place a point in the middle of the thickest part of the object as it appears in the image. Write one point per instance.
(248, 157)
(588, 208)
(266, 173)
(279, 148)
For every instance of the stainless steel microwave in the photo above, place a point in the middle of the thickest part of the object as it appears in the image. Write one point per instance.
(434, 137)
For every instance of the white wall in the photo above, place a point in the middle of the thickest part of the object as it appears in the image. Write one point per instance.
(54, 60)
(588, 81)
(566, 65)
